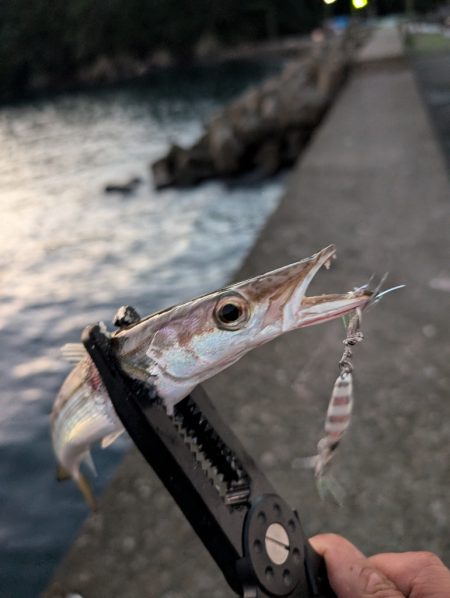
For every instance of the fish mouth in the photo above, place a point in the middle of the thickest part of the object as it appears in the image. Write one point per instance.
(322, 308)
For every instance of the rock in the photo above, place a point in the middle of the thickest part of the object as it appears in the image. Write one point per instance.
(102, 70)
(332, 71)
(183, 167)
(244, 116)
(331, 76)
(161, 59)
(224, 147)
(127, 66)
(270, 110)
(201, 159)
(124, 188)
(208, 46)
(165, 171)
(267, 126)
(267, 159)
(162, 173)
(294, 141)
(301, 108)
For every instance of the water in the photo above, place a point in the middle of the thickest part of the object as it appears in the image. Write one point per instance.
(70, 255)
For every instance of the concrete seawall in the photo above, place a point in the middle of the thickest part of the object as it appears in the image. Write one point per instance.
(373, 182)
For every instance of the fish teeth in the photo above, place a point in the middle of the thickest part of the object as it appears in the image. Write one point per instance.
(329, 261)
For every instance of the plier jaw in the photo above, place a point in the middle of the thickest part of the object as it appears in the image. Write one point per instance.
(255, 538)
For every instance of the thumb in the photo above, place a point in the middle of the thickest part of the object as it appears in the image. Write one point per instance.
(350, 573)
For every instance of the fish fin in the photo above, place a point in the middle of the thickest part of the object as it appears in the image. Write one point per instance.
(62, 474)
(108, 440)
(170, 407)
(305, 462)
(87, 458)
(86, 491)
(73, 352)
(328, 486)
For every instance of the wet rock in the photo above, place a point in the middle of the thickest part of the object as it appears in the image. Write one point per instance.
(302, 108)
(102, 70)
(184, 167)
(163, 173)
(267, 127)
(294, 141)
(207, 47)
(161, 59)
(126, 188)
(224, 147)
(331, 74)
(268, 158)
(127, 66)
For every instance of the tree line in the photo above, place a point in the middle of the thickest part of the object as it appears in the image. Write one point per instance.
(46, 42)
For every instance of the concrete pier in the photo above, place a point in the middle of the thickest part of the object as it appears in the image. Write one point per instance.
(373, 182)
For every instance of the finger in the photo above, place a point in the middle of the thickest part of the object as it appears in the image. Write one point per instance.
(416, 574)
(350, 573)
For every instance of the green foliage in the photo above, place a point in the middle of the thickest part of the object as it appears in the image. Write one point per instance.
(45, 43)
(51, 40)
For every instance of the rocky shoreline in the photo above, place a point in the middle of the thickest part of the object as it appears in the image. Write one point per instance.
(267, 127)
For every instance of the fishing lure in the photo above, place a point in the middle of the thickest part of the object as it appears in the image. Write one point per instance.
(338, 416)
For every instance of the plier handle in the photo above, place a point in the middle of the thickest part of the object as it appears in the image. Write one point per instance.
(253, 535)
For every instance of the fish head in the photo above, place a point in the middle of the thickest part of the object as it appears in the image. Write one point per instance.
(276, 302)
(194, 341)
(250, 313)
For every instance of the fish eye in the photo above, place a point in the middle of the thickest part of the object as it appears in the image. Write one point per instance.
(231, 312)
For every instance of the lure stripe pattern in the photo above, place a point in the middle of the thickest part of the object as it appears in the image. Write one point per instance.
(340, 407)
(338, 415)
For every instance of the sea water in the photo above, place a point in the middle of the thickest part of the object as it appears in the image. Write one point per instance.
(71, 254)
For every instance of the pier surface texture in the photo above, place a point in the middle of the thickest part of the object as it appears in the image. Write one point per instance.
(373, 182)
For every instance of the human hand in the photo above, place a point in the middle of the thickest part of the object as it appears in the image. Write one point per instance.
(389, 575)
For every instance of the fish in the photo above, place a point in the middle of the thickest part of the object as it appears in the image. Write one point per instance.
(174, 350)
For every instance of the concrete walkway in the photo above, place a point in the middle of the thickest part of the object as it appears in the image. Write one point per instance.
(372, 181)
(385, 45)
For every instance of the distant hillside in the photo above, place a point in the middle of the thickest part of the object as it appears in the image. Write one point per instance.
(47, 44)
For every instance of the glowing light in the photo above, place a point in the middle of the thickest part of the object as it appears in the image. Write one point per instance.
(359, 3)
(329, 1)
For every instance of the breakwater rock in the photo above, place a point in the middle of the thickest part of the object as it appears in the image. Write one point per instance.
(267, 127)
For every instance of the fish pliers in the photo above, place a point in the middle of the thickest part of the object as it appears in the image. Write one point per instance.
(253, 535)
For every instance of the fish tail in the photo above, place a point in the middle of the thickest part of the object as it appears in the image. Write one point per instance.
(62, 474)
(86, 491)
(327, 485)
